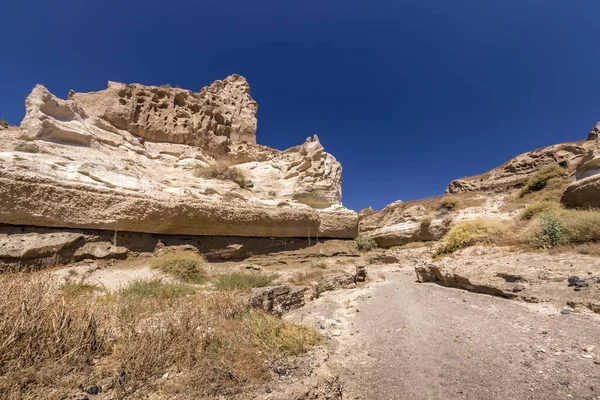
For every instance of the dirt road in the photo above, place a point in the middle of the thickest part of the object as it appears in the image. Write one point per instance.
(399, 339)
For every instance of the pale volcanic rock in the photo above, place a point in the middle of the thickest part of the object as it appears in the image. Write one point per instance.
(515, 172)
(585, 191)
(123, 158)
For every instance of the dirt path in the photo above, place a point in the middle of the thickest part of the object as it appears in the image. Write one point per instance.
(399, 339)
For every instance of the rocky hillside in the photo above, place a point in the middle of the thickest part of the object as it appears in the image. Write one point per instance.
(165, 160)
(491, 196)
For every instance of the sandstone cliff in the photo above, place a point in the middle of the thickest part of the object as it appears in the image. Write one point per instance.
(123, 158)
(585, 191)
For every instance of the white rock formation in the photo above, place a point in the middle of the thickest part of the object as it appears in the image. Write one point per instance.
(123, 158)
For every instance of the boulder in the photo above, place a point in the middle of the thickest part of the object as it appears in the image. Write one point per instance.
(278, 300)
(100, 250)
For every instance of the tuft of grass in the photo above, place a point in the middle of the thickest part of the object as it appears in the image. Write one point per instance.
(545, 175)
(308, 277)
(450, 203)
(76, 289)
(221, 172)
(539, 207)
(184, 266)
(4, 123)
(365, 243)
(155, 288)
(447, 220)
(426, 222)
(243, 281)
(468, 233)
(273, 333)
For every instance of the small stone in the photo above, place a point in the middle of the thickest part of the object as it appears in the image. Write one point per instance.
(166, 375)
(544, 332)
(597, 362)
(565, 311)
(93, 390)
(357, 310)
(581, 283)
(268, 389)
(588, 356)
(279, 371)
(518, 288)
(573, 280)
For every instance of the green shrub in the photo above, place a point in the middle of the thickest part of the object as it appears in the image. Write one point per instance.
(540, 207)
(540, 179)
(468, 233)
(243, 281)
(221, 172)
(185, 266)
(4, 124)
(365, 243)
(552, 230)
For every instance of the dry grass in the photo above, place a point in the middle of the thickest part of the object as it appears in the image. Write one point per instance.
(307, 277)
(243, 281)
(468, 233)
(540, 179)
(212, 345)
(221, 172)
(183, 265)
(539, 207)
(425, 222)
(76, 289)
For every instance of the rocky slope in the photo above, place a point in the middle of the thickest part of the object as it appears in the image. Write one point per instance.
(122, 159)
(484, 196)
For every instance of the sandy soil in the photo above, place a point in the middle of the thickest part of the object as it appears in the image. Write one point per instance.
(399, 339)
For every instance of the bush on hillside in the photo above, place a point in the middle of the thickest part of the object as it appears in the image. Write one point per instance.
(221, 172)
(538, 208)
(365, 243)
(468, 233)
(185, 266)
(540, 179)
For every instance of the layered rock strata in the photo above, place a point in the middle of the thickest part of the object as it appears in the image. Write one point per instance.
(123, 159)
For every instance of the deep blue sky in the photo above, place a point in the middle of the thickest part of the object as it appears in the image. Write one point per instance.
(406, 94)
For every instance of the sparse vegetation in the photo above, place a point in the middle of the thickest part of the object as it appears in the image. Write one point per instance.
(365, 243)
(243, 281)
(425, 222)
(449, 203)
(308, 277)
(52, 344)
(539, 180)
(4, 123)
(447, 220)
(76, 289)
(468, 233)
(537, 208)
(183, 265)
(155, 288)
(221, 172)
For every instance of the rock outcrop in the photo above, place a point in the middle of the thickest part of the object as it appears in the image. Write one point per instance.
(515, 172)
(123, 159)
(398, 224)
(585, 191)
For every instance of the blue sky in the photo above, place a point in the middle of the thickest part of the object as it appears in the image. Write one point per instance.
(407, 94)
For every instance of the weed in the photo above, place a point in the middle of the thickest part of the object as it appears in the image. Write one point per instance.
(537, 208)
(425, 222)
(221, 172)
(185, 266)
(75, 289)
(243, 281)
(450, 203)
(4, 123)
(365, 243)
